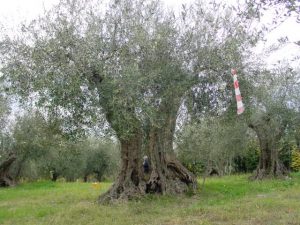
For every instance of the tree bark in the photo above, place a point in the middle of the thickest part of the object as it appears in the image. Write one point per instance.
(85, 178)
(5, 179)
(54, 176)
(269, 165)
(167, 174)
(269, 134)
(130, 183)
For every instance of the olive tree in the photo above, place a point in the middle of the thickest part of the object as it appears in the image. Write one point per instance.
(273, 115)
(131, 65)
(34, 138)
(101, 158)
(214, 142)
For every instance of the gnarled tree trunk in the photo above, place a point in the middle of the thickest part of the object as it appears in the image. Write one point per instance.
(269, 134)
(269, 165)
(167, 174)
(5, 179)
(130, 183)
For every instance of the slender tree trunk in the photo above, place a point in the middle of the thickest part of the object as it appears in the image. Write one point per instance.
(5, 179)
(54, 177)
(298, 140)
(19, 166)
(99, 176)
(206, 173)
(85, 178)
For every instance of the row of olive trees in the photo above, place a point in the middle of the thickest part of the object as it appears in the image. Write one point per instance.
(215, 148)
(41, 150)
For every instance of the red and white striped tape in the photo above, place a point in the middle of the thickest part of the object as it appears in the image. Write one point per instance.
(238, 96)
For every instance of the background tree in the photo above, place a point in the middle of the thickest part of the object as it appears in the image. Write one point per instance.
(42, 150)
(213, 143)
(272, 118)
(101, 158)
(31, 136)
(7, 158)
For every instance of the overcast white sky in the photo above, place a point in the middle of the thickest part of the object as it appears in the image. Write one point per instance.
(12, 12)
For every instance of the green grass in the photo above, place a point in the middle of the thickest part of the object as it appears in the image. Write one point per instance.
(228, 200)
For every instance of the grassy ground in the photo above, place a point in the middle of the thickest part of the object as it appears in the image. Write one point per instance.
(228, 200)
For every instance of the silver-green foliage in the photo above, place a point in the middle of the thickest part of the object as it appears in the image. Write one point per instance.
(43, 149)
(141, 54)
(213, 143)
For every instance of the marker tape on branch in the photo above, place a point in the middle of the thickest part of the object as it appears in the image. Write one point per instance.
(238, 96)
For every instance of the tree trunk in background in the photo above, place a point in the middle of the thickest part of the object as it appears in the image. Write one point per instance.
(5, 179)
(54, 176)
(85, 178)
(298, 140)
(19, 166)
(269, 165)
(99, 176)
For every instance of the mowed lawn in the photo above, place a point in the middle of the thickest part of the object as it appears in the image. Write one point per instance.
(227, 200)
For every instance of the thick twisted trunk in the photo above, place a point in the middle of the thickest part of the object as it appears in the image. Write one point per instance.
(130, 183)
(269, 135)
(167, 174)
(5, 179)
(269, 165)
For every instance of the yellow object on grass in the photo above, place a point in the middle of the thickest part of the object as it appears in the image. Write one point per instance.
(96, 185)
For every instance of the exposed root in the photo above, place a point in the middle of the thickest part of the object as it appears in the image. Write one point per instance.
(121, 192)
(173, 179)
(181, 172)
(279, 171)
